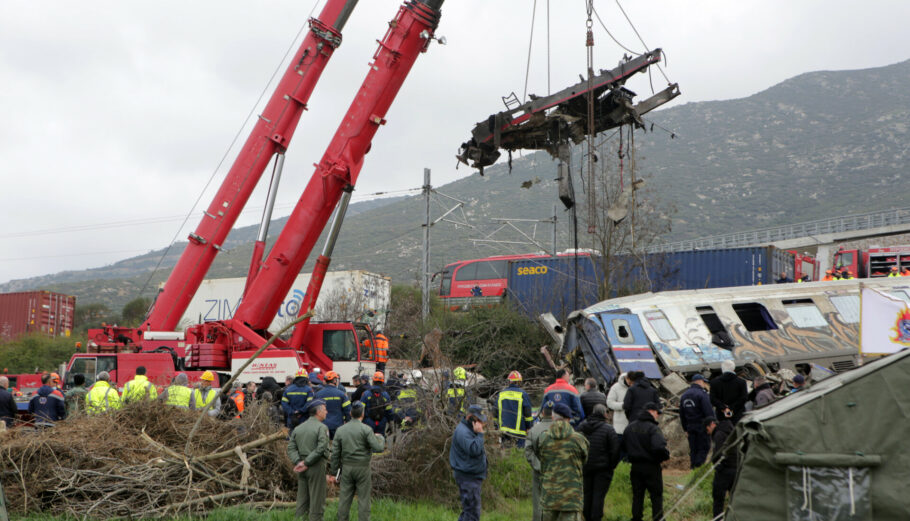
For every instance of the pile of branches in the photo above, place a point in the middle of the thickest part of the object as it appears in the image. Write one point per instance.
(146, 459)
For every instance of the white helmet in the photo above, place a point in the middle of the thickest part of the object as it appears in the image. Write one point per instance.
(416, 374)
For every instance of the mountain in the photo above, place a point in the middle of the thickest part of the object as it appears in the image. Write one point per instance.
(818, 145)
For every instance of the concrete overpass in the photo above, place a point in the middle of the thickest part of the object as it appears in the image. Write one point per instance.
(821, 235)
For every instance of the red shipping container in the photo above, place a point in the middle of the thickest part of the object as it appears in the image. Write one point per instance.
(44, 312)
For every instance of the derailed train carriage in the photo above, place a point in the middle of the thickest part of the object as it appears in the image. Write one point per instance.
(809, 327)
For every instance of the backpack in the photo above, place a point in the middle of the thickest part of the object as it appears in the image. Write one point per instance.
(378, 403)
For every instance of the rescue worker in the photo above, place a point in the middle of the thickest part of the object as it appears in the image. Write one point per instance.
(513, 407)
(139, 388)
(337, 403)
(8, 407)
(456, 392)
(378, 404)
(846, 275)
(647, 449)
(894, 272)
(295, 398)
(531, 452)
(352, 451)
(784, 278)
(829, 275)
(177, 394)
(694, 409)
(725, 472)
(205, 395)
(562, 391)
(102, 397)
(799, 383)
(562, 453)
(603, 456)
(48, 404)
(55, 382)
(315, 378)
(906, 272)
(406, 410)
(381, 351)
(75, 397)
(308, 450)
(468, 459)
(236, 402)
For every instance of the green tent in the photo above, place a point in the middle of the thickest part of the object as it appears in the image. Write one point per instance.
(837, 451)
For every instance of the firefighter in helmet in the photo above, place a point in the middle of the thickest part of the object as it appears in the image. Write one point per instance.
(514, 412)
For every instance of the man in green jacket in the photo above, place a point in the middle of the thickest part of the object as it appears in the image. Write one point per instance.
(308, 449)
(352, 450)
(562, 453)
(532, 453)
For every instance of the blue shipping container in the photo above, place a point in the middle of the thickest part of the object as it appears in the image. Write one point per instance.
(547, 285)
(698, 269)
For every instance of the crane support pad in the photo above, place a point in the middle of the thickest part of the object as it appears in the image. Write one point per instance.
(544, 122)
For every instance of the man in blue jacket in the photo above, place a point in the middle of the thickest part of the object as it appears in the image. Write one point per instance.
(295, 398)
(48, 405)
(468, 460)
(694, 408)
(337, 403)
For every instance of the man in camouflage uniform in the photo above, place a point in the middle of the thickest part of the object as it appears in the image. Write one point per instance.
(532, 451)
(562, 456)
(308, 449)
(352, 450)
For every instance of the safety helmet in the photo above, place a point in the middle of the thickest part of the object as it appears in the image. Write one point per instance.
(331, 375)
(514, 376)
(317, 370)
(208, 376)
(460, 373)
(378, 377)
(416, 374)
(300, 372)
(55, 377)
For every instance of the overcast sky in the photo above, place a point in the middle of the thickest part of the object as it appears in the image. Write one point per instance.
(115, 114)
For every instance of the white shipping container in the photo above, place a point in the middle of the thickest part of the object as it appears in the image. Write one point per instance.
(358, 296)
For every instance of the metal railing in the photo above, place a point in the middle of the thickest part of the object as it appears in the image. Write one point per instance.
(847, 223)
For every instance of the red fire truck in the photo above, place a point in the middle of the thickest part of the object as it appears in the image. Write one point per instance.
(874, 262)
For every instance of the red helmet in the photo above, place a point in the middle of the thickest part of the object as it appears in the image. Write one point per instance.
(514, 376)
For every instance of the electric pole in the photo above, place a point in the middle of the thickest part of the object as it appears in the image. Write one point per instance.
(425, 265)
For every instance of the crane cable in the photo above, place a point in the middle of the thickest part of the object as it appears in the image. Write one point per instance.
(589, 45)
(524, 96)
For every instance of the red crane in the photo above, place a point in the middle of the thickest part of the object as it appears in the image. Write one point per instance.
(219, 345)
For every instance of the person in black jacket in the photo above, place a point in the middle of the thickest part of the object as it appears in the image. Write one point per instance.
(725, 473)
(8, 407)
(640, 393)
(694, 408)
(647, 449)
(603, 456)
(729, 393)
(591, 397)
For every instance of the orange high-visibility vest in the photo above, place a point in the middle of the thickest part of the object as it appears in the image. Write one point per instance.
(239, 401)
(382, 348)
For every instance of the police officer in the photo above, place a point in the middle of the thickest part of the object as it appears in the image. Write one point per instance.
(352, 451)
(295, 398)
(178, 393)
(514, 411)
(139, 388)
(336, 403)
(102, 397)
(694, 408)
(308, 450)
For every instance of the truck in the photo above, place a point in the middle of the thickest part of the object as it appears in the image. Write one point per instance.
(45, 313)
(873, 262)
(354, 295)
(229, 343)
